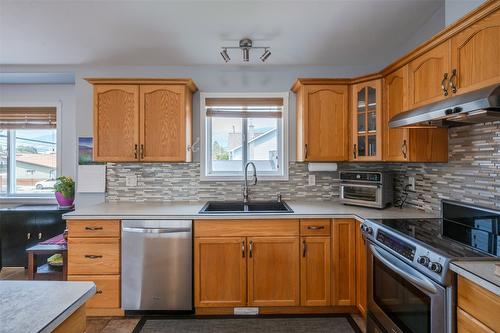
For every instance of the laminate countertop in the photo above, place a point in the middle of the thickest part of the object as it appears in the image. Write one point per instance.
(40, 306)
(481, 272)
(190, 210)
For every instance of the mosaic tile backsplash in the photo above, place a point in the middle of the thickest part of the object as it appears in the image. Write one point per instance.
(472, 175)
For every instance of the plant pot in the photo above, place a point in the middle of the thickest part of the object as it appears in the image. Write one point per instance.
(63, 201)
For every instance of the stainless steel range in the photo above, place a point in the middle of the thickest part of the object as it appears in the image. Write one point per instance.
(410, 286)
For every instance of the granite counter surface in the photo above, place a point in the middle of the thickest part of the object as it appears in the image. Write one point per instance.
(40, 306)
(481, 272)
(190, 210)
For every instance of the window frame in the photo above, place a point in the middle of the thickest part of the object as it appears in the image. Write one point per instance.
(46, 197)
(205, 136)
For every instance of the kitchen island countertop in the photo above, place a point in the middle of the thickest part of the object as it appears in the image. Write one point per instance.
(190, 210)
(40, 306)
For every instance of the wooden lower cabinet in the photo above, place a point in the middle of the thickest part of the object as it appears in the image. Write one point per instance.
(107, 290)
(220, 272)
(315, 271)
(343, 261)
(361, 280)
(273, 271)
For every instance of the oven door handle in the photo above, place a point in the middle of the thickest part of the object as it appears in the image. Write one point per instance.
(408, 274)
(360, 185)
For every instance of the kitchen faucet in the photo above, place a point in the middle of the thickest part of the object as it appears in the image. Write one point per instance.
(254, 181)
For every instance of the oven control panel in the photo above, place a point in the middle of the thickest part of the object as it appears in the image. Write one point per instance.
(397, 245)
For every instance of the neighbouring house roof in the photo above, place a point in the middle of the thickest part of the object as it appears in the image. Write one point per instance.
(45, 160)
(256, 139)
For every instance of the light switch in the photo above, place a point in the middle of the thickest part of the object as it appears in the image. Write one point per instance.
(312, 180)
(131, 180)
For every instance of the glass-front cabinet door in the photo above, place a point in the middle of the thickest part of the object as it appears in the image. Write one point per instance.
(367, 121)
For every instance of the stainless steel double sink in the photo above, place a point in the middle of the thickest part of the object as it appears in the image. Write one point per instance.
(235, 207)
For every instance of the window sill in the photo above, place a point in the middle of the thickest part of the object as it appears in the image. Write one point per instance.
(28, 200)
(241, 179)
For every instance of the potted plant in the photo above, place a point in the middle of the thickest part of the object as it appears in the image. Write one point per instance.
(65, 191)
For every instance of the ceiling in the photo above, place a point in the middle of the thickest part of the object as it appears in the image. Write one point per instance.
(155, 33)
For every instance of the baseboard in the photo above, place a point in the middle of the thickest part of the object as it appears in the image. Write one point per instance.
(103, 312)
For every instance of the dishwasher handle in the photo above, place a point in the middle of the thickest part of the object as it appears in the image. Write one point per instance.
(156, 230)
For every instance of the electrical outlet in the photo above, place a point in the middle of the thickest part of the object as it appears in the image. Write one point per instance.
(131, 180)
(312, 180)
(411, 182)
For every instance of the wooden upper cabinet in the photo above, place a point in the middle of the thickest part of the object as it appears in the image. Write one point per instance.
(366, 116)
(343, 262)
(475, 55)
(322, 121)
(116, 122)
(395, 102)
(315, 271)
(428, 76)
(142, 119)
(220, 272)
(273, 271)
(163, 123)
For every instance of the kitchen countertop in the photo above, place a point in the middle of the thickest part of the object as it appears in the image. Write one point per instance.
(40, 306)
(190, 210)
(481, 272)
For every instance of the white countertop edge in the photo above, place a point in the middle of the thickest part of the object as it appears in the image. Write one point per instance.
(475, 278)
(69, 311)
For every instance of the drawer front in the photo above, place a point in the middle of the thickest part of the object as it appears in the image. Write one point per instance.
(107, 290)
(315, 227)
(93, 228)
(468, 324)
(479, 303)
(93, 256)
(246, 227)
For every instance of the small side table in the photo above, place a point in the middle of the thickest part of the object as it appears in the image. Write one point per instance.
(46, 271)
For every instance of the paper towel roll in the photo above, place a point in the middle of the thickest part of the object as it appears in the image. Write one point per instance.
(315, 167)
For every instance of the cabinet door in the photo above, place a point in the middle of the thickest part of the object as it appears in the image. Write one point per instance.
(475, 54)
(325, 123)
(360, 270)
(367, 121)
(49, 224)
(163, 123)
(18, 233)
(220, 272)
(315, 271)
(426, 76)
(273, 271)
(344, 275)
(395, 102)
(116, 122)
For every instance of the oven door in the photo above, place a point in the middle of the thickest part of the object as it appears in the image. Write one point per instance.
(402, 299)
(361, 194)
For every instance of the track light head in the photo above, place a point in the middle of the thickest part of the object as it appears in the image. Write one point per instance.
(265, 55)
(225, 55)
(246, 54)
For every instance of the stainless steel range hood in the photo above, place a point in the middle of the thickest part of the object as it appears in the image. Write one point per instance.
(475, 107)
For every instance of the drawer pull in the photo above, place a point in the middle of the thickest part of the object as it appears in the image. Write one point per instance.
(92, 256)
(98, 292)
(93, 228)
(315, 227)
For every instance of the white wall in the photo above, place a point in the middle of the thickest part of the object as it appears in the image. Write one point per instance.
(63, 94)
(455, 9)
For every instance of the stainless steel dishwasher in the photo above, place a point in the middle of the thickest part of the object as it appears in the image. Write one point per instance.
(157, 265)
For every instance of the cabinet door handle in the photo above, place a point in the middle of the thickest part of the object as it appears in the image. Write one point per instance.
(304, 248)
(315, 227)
(243, 249)
(142, 151)
(39, 235)
(251, 250)
(93, 228)
(136, 153)
(404, 149)
(354, 151)
(443, 86)
(28, 235)
(98, 292)
(453, 78)
(92, 256)
(306, 151)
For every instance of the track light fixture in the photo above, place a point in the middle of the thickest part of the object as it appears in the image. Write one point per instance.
(245, 46)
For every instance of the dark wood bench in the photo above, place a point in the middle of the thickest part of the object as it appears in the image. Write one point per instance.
(46, 271)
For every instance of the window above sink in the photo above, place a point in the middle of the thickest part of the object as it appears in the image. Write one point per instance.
(237, 128)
